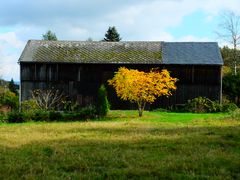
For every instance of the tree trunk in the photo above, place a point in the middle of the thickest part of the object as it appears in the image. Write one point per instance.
(140, 112)
(141, 106)
(235, 58)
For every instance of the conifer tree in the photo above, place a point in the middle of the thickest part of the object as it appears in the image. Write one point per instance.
(49, 36)
(103, 105)
(112, 35)
(12, 87)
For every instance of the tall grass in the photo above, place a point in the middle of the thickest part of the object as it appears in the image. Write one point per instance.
(123, 146)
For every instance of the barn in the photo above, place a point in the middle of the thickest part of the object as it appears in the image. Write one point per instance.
(78, 68)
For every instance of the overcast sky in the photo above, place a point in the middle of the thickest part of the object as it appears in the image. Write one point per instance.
(138, 20)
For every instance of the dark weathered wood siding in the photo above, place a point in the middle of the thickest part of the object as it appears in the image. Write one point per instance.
(81, 81)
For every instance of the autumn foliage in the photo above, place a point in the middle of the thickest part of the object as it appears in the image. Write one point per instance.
(142, 87)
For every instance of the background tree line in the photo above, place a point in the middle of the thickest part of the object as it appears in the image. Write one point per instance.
(229, 31)
(111, 35)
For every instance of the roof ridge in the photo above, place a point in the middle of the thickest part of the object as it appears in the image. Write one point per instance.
(190, 42)
(36, 40)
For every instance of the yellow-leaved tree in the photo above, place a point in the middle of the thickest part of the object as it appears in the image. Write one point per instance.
(142, 87)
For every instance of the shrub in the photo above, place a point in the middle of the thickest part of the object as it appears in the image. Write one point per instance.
(28, 115)
(29, 105)
(2, 117)
(202, 105)
(235, 114)
(15, 117)
(40, 116)
(229, 107)
(70, 106)
(103, 105)
(48, 99)
(83, 114)
(88, 112)
(55, 116)
(9, 98)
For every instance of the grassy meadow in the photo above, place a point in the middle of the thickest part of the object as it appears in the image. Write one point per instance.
(123, 146)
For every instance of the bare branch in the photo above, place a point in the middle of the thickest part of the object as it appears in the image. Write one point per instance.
(47, 99)
(230, 28)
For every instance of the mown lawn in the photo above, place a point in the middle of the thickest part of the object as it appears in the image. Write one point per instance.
(123, 146)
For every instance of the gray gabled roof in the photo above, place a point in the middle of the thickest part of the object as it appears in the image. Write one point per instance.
(135, 52)
(191, 53)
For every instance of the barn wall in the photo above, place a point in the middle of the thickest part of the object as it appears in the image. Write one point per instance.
(80, 82)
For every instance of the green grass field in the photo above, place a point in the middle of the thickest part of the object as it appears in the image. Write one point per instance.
(123, 146)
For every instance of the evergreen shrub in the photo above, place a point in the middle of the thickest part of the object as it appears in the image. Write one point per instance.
(103, 105)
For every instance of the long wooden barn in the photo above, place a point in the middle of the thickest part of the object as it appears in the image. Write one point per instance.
(78, 68)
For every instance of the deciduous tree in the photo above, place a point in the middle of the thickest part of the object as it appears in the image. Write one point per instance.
(228, 55)
(229, 31)
(142, 87)
(231, 87)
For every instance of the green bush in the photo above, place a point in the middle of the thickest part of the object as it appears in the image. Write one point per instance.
(235, 114)
(29, 105)
(231, 84)
(9, 98)
(83, 114)
(2, 117)
(55, 116)
(28, 115)
(103, 105)
(15, 117)
(202, 105)
(229, 107)
(88, 112)
(70, 106)
(40, 115)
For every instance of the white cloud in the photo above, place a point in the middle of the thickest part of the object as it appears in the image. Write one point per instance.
(10, 39)
(78, 20)
(9, 67)
(10, 48)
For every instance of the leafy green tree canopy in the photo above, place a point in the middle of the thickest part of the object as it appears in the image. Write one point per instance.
(49, 36)
(229, 54)
(112, 35)
(231, 87)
